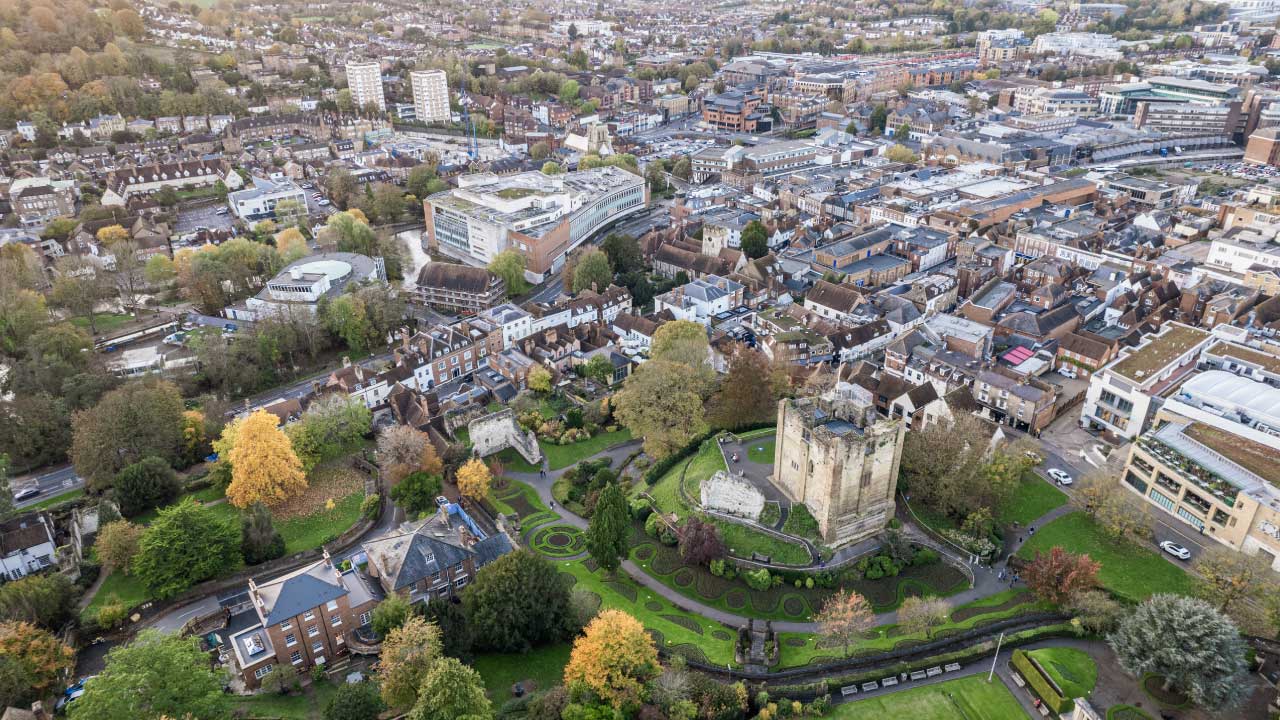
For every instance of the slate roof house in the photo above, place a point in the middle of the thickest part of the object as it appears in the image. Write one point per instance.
(435, 557)
(306, 618)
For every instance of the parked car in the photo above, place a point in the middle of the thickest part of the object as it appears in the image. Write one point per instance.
(1060, 476)
(71, 694)
(1175, 550)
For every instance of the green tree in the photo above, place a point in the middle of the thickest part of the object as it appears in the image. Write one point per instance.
(159, 270)
(422, 181)
(598, 368)
(332, 426)
(518, 602)
(452, 691)
(156, 675)
(683, 168)
(609, 529)
(623, 252)
(879, 118)
(132, 422)
(455, 629)
(661, 401)
(388, 203)
(390, 614)
(407, 655)
(417, 493)
(539, 151)
(1196, 649)
(509, 265)
(592, 269)
(44, 600)
(78, 289)
(144, 485)
(185, 545)
(259, 539)
(354, 702)
(755, 240)
(551, 168)
(568, 91)
(345, 317)
(1226, 577)
(903, 131)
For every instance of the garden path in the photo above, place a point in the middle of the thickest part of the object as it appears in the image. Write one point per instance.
(987, 579)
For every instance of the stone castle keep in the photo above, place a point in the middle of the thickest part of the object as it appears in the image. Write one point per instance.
(835, 455)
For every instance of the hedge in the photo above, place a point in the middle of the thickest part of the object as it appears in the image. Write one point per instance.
(1040, 683)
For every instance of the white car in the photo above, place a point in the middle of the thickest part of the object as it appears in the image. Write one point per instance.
(1175, 550)
(1060, 476)
(26, 492)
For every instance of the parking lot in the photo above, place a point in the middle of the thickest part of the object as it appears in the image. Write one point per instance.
(314, 208)
(192, 219)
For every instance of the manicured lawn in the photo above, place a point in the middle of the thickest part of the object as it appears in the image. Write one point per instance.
(562, 456)
(800, 523)
(1033, 498)
(128, 588)
(106, 323)
(970, 698)
(522, 501)
(1073, 670)
(545, 666)
(761, 452)
(312, 531)
(513, 461)
(689, 632)
(743, 541)
(1133, 573)
(310, 703)
(51, 501)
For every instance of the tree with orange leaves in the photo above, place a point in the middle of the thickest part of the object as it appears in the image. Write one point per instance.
(844, 617)
(264, 467)
(614, 658)
(43, 660)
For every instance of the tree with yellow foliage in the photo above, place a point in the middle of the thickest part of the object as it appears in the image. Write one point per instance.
(291, 244)
(112, 234)
(613, 658)
(264, 467)
(474, 479)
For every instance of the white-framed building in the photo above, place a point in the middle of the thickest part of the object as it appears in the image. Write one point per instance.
(300, 285)
(259, 202)
(26, 546)
(1123, 397)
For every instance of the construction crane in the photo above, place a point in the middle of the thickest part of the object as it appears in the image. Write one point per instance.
(468, 126)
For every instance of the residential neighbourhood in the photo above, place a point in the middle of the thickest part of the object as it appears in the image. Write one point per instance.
(644, 361)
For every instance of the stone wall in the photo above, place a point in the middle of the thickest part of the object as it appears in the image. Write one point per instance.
(498, 431)
(732, 494)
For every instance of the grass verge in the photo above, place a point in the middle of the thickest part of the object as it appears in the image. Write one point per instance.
(1132, 573)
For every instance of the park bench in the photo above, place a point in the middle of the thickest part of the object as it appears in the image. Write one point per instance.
(889, 682)
(918, 675)
(934, 671)
(869, 686)
(951, 667)
(848, 690)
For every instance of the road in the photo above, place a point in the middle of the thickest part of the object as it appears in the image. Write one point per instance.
(1082, 461)
(51, 482)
